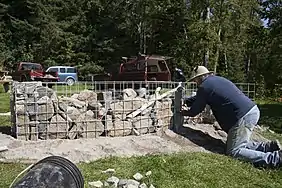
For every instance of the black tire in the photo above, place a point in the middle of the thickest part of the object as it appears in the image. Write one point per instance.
(23, 79)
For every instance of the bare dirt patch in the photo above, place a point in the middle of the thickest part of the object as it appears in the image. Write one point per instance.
(84, 150)
(193, 138)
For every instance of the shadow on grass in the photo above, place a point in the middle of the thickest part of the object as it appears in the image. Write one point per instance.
(5, 125)
(5, 130)
(271, 116)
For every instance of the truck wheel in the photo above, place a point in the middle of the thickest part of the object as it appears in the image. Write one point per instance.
(70, 81)
(23, 79)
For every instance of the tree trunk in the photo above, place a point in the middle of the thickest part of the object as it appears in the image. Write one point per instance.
(206, 58)
(248, 64)
(225, 61)
(217, 50)
(140, 28)
(185, 32)
(144, 29)
(207, 53)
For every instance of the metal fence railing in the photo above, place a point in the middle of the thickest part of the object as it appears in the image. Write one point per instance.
(249, 89)
(93, 109)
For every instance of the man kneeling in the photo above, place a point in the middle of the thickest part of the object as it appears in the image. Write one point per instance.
(236, 114)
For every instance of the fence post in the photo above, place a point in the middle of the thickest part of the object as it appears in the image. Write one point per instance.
(13, 111)
(178, 119)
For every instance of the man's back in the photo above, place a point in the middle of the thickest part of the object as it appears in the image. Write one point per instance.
(227, 102)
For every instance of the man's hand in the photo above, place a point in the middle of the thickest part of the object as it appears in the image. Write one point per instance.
(188, 119)
(184, 111)
(189, 100)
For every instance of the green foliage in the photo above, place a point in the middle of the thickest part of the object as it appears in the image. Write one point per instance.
(227, 36)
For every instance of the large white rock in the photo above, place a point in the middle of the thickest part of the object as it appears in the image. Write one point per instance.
(45, 109)
(73, 113)
(87, 95)
(87, 126)
(143, 124)
(128, 94)
(58, 127)
(117, 127)
(125, 107)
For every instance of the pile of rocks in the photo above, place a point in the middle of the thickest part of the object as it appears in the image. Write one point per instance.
(38, 113)
(138, 181)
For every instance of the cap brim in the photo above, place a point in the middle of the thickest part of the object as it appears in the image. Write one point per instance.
(191, 79)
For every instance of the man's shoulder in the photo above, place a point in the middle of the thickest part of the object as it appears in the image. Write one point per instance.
(215, 80)
(210, 80)
(215, 77)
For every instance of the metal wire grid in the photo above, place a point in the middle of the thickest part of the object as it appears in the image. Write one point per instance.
(39, 119)
(33, 120)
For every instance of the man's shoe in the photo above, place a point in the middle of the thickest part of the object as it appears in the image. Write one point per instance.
(273, 146)
(280, 157)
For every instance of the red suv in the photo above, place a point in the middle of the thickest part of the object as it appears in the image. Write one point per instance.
(145, 68)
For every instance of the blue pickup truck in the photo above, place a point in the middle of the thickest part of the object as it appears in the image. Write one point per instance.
(66, 74)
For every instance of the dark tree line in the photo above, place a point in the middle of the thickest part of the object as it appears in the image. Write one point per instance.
(227, 36)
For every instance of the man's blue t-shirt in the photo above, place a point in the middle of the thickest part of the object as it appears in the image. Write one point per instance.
(227, 102)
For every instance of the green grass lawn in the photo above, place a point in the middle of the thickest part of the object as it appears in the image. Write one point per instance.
(4, 102)
(271, 114)
(67, 90)
(173, 171)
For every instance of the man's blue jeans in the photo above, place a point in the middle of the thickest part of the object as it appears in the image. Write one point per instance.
(239, 145)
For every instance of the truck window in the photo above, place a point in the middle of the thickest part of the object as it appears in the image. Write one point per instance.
(26, 67)
(162, 65)
(30, 66)
(71, 70)
(53, 70)
(62, 70)
(36, 67)
(141, 65)
(152, 68)
(129, 67)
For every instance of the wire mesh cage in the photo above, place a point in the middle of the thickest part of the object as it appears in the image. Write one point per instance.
(93, 109)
